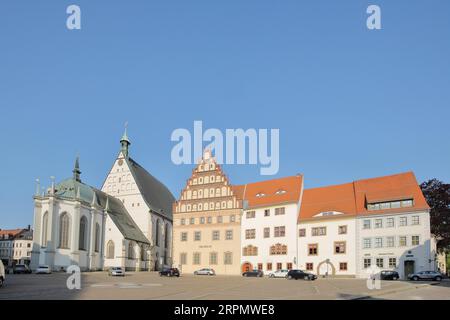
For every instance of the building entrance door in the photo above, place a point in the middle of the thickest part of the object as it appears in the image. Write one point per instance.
(409, 268)
(247, 267)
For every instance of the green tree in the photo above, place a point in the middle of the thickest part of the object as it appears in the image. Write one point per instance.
(437, 195)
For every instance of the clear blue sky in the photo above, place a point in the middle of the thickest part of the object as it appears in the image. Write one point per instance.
(350, 103)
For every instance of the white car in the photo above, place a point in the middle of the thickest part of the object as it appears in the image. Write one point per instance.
(205, 272)
(279, 273)
(43, 269)
(116, 272)
(2, 273)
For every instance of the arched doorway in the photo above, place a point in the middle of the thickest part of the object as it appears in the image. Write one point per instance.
(247, 266)
(326, 268)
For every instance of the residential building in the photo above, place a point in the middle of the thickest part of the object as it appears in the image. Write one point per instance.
(22, 246)
(8, 246)
(207, 221)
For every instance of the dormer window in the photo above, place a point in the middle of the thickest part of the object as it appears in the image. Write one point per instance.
(390, 204)
(260, 194)
(280, 191)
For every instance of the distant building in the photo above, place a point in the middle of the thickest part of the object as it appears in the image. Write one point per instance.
(15, 246)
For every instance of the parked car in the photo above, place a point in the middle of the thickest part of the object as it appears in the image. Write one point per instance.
(2, 273)
(253, 273)
(43, 269)
(425, 275)
(389, 275)
(170, 272)
(300, 274)
(21, 269)
(279, 274)
(205, 272)
(116, 272)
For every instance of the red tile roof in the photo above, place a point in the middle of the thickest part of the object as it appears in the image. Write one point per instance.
(11, 232)
(352, 198)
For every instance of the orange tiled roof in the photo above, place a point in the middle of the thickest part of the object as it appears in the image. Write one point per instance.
(11, 233)
(352, 198)
(238, 191)
(290, 187)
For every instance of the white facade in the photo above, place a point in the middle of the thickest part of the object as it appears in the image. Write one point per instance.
(258, 229)
(331, 253)
(394, 241)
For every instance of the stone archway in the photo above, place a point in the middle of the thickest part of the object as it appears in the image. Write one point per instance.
(326, 268)
(247, 266)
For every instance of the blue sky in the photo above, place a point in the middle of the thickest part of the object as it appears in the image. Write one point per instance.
(350, 103)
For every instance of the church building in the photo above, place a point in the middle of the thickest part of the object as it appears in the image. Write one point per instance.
(128, 223)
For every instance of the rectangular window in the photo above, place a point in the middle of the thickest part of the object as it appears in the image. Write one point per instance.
(183, 258)
(342, 230)
(378, 242)
(202, 220)
(266, 232)
(197, 236)
(196, 258)
(216, 235)
(302, 232)
(260, 266)
(403, 221)
(378, 223)
(219, 219)
(415, 220)
(269, 266)
(209, 220)
(250, 234)
(184, 236)
(250, 214)
(313, 249)
(279, 266)
(192, 221)
(407, 203)
(229, 235)
(415, 240)
(390, 242)
(402, 241)
(392, 262)
(266, 212)
(380, 262)
(232, 218)
(339, 247)
(309, 266)
(183, 222)
(228, 258)
(342, 266)
(390, 222)
(279, 211)
(367, 263)
(289, 266)
(279, 231)
(319, 231)
(395, 204)
(366, 224)
(213, 258)
(367, 243)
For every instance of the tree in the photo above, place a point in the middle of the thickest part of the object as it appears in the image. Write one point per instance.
(437, 195)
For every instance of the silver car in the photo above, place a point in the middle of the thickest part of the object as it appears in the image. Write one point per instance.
(205, 272)
(425, 275)
(279, 273)
(116, 272)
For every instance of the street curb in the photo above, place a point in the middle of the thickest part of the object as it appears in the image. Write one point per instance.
(413, 287)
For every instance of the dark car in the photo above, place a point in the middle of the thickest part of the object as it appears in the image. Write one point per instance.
(389, 275)
(253, 273)
(170, 272)
(300, 274)
(21, 268)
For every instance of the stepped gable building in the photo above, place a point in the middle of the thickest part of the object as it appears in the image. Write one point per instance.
(269, 224)
(207, 221)
(127, 224)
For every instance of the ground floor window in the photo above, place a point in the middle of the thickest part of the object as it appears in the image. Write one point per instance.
(279, 266)
(367, 263)
(183, 258)
(260, 266)
(269, 266)
(392, 262)
(196, 259)
(213, 258)
(289, 266)
(228, 258)
(309, 266)
(380, 262)
(343, 266)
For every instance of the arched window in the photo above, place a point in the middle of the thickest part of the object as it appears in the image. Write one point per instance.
(157, 232)
(64, 227)
(166, 236)
(110, 250)
(97, 237)
(44, 229)
(130, 250)
(83, 233)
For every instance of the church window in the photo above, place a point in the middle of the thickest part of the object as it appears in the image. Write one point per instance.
(64, 226)
(110, 250)
(97, 237)
(130, 251)
(44, 229)
(82, 234)
(157, 232)
(166, 236)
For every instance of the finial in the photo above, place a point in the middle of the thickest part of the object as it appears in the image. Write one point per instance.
(125, 142)
(107, 204)
(38, 187)
(76, 170)
(52, 190)
(77, 196)
(94, 200)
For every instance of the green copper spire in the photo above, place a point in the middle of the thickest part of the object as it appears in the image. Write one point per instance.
(76, 170)
(125, 142)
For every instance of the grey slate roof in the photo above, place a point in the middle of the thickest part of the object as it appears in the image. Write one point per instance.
(156, 195)
(72, 189)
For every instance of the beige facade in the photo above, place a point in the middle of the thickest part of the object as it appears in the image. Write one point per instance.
(207, 222)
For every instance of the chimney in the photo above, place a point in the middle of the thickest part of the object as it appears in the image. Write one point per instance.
(28, 227)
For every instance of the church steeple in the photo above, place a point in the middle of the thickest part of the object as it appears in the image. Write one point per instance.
(76, 170)
(125, 142)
